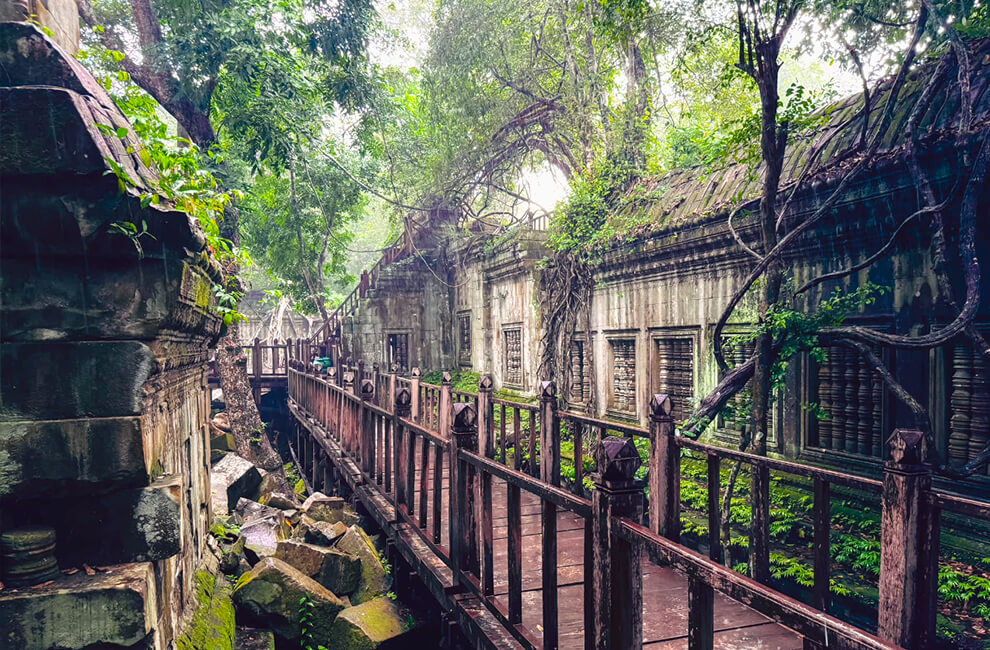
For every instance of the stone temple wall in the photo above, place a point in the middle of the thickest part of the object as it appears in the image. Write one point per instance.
(103, 350)
(59, 16)
(659, 294)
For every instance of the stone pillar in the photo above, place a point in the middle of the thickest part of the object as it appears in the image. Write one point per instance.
(103, 357)
(618, 581)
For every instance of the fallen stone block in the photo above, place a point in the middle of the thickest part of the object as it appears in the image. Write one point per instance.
(247, 510)
(212, 624)
(113, 607)
(269, 484)
(270, 595)
(370, 625)
(374, 580)
(240, 477)
(261, 536)
(318, 532)
(323, 508)
(334, 569)
(282, 501)
(254, 639)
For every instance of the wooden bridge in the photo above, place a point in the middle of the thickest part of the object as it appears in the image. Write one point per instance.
(468, 490)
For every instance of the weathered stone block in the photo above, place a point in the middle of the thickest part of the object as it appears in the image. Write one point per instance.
(247, 510)
(63, 380)
(369, 625)
(374, 581)
(240, 477)
(253, 639)
(212, 624)
(318, 532)
(323, 508)
(282, 502)
(270, 594)
(68, 456)
(114, 607)
(334, 569)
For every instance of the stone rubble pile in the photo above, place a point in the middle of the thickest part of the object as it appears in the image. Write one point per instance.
(303, 571)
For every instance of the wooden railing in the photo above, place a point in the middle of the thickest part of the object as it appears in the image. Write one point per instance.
(420, 439)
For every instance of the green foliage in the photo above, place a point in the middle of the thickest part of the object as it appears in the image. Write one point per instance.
(307, 610)
(578, 224)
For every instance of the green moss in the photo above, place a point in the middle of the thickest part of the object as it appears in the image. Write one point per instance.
(212, 624)
(300, 488)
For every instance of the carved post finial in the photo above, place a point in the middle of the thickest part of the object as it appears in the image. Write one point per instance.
(348, 379)
(465, 418)
(548, 391)
(394, 368)
(415, 372)
(332, 372)
(660, 406)
(617, 460)
(908, 447)
(485, 384)
(403, 402)
(447, 380)
(367, 389)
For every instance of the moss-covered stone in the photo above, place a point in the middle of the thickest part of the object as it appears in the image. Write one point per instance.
(212, 624)
(337, 571)
(270, 594)
(374, 579)
(369, 625)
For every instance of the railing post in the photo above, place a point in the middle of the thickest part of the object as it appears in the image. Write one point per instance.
(414, 391)
(549, 434)
(664, 470)
(347, 420)
(618, 581)
(393, 384)
(463, 435)
(908, 543)
(402, 409)
(486, 444)
(366, 436)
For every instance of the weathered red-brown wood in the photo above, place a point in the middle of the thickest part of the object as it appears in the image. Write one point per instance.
(665, 471)
(617, 584)
(463, 436)
(713, 466)
(822, 515)
(701, 615)
(549, 574)
(514, 528)
(759, 528)
(577, 429)
(905, 613)
(549, 434)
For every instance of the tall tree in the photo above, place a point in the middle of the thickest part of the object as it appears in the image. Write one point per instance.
(201, 61)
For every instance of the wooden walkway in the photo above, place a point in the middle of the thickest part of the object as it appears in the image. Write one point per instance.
(665, 591)
(480, 546)
(665, 597)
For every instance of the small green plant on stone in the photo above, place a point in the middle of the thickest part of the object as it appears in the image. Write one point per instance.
(306, 613)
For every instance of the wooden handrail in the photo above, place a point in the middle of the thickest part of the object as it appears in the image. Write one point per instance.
(406, 446)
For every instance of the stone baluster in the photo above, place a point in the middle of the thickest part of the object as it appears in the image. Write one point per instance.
(851, 396)
(865, 424)
(825, 424)
(961, 403)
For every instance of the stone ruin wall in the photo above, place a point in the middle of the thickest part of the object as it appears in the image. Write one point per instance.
(104, 410)
(664, 292)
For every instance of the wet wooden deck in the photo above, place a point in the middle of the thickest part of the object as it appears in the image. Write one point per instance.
(665, 592)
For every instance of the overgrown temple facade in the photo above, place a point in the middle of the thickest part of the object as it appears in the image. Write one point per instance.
(474, 302)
